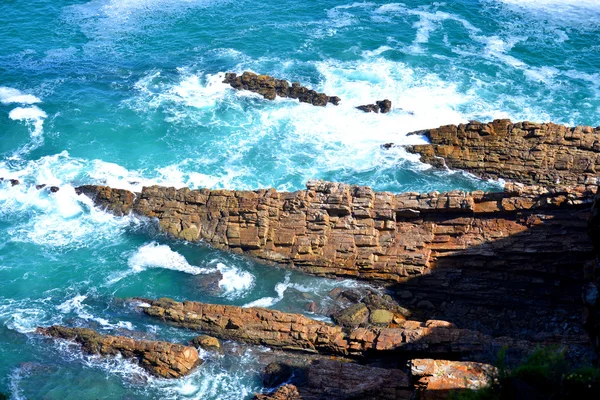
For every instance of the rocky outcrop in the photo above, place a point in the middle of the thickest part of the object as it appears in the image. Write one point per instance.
(549, 155)
(332, 229)
(261, 326)
(383, 106)
(117, 201)
(163, 359)
(270, 87)
(452, 255)
(435, 379)
(425, 379)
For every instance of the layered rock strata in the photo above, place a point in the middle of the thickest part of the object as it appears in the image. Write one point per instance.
(383, 106)
(426, 379)
(163, 359)
(333, 229)
(338, 380)
(261, 326)
(548, 154)
(270, 87)
(435, 379)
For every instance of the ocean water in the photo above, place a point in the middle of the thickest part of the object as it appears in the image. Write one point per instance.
(128, 93)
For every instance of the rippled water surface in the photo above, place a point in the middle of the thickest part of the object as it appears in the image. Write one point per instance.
(129, 93)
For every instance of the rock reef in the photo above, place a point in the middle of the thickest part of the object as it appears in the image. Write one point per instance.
(270, 87)
(163, 359)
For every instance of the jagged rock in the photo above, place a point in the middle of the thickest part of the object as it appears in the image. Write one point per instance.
(270, 87)
(435, 379)
(539, 154)
(261, 326)
(117, 201)
(286, 392)
(163, 359)
(369, 108)
(382, 106)
(206, 342)
(252, 325)
(340, 380)
(457, 251)
(276, 374)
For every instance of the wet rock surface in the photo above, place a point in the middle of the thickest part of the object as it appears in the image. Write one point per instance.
(163, 359)
(548, 154)
(383, 106)
(270, 87)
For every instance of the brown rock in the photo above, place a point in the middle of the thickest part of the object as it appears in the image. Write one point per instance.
(436, 379)
(537, 154)
(163, 359)
(382, 106)
(457, 253)
(270, 87)
(207, 342)
(261, 326)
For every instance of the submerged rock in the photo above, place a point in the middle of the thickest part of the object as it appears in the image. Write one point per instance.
(163, 359)
(270, 87)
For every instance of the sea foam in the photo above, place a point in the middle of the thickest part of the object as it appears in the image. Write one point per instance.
(154, 255)
(10, 95)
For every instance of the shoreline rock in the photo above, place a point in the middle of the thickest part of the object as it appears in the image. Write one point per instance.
(162, 359)
(280, 330)
(383, 106)
(270, 87)
(548, 154)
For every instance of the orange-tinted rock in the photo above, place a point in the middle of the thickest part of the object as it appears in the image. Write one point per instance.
(163, 359)
(340, 380)
(277, 329)
(456, 251)
(436, 379)
(549, 155)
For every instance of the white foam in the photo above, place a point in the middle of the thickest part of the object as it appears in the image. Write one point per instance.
(154, 255)
(62, 219)
(32, 115)
(280, 289)
(10, 95)
(76, 306)
(235, 282)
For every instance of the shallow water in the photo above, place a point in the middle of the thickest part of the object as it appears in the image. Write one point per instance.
(128, 93)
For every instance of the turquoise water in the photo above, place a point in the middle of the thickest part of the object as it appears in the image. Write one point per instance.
(128, 93)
